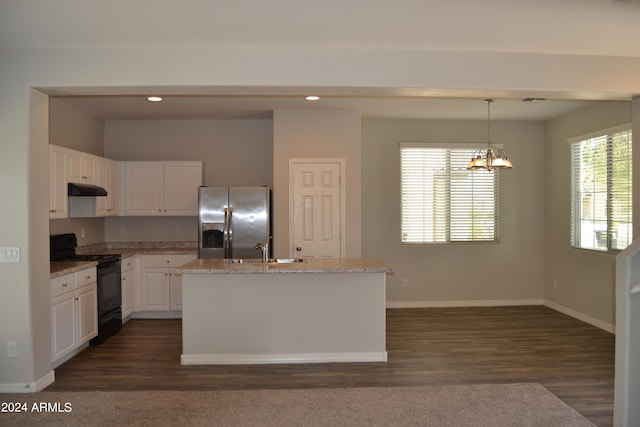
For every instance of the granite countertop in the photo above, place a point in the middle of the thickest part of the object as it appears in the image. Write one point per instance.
(127, 252)
(145, 248)
(60, 268)
(311, 265)
(126, 249)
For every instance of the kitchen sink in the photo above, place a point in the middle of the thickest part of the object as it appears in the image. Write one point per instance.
(285, 260)
(243, 261)
(259, 261)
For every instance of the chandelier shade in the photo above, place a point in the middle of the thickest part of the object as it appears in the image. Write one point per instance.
(490, 158)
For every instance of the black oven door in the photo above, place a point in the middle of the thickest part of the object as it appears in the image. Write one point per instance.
(109, 288)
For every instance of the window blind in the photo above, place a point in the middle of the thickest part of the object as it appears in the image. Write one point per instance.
(444, 202)
(601, 188)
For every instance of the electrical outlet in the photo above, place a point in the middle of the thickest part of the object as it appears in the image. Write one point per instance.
(11, 254)
(404, 283)
(555, 283)
(12, 350)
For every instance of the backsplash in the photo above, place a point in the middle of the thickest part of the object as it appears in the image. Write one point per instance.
(151, 229)
(137, 245)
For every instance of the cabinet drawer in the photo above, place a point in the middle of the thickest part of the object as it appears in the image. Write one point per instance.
(127, 264)
(63, 284)
(166, 260)
(86, 277)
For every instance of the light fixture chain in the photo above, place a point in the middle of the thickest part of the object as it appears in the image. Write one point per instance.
(489, 101)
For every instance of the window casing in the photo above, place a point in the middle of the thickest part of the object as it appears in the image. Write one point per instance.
(442, 201)
(601, 190)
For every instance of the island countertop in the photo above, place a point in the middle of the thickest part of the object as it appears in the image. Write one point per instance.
(309, 265)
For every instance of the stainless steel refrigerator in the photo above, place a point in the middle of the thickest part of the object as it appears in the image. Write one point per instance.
(232, 221)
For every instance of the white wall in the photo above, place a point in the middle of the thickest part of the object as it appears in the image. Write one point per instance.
(317, 134)
(585, 279)
(233, 152)
(505, 273)
(71, 128)
(205, 69)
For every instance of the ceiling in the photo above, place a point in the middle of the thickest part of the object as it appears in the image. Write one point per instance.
(576, 27)
(262, 107)
(598, 28)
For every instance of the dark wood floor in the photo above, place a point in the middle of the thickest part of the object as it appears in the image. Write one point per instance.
(573, 360)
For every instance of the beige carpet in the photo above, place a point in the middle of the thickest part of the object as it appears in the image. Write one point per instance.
(459, 405)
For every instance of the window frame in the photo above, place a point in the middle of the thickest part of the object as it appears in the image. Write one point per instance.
(577, 217)
(447, 148)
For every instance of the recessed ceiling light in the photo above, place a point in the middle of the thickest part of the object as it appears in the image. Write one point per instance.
(154, 99)
(312, 98)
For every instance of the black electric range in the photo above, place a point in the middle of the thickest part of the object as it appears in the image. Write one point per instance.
(63, 248)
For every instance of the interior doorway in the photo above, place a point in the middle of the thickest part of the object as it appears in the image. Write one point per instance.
(316, 208)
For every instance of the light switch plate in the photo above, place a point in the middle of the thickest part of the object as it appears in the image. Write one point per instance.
(10, 254)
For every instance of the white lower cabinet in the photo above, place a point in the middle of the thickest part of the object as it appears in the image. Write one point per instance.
(63, 325)
(74, 313)
(160, 288)
(155, 289)
(128, 286)
(87, 306)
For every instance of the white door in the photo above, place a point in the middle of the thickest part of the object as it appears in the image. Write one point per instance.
(316, 208)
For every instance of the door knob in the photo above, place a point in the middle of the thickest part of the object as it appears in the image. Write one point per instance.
(298, 248)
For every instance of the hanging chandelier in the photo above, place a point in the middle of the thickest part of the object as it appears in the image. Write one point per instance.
(490, 158)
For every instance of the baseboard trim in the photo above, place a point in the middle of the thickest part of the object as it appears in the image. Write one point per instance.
(156, 315)
(257, 359)
(580, 316)
(32, 387)
(463, 303)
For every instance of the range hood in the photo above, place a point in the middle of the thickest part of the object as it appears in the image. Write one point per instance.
(85, 190)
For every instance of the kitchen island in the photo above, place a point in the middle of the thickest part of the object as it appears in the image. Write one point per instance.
(318, 310)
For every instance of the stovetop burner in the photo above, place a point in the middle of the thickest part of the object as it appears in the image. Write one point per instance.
(100, 259)
(63, 248)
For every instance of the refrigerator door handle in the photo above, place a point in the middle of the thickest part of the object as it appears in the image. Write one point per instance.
(229, 217)
(225, 233)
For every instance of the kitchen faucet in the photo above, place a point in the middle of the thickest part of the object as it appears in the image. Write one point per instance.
(264, 247)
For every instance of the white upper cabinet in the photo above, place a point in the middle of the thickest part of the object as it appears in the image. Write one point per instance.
(143, 188)
(107, 176)
(181, 182)
(67, 165)
(133, 188)
(58, 206)
(162, 188)
(81, 167)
